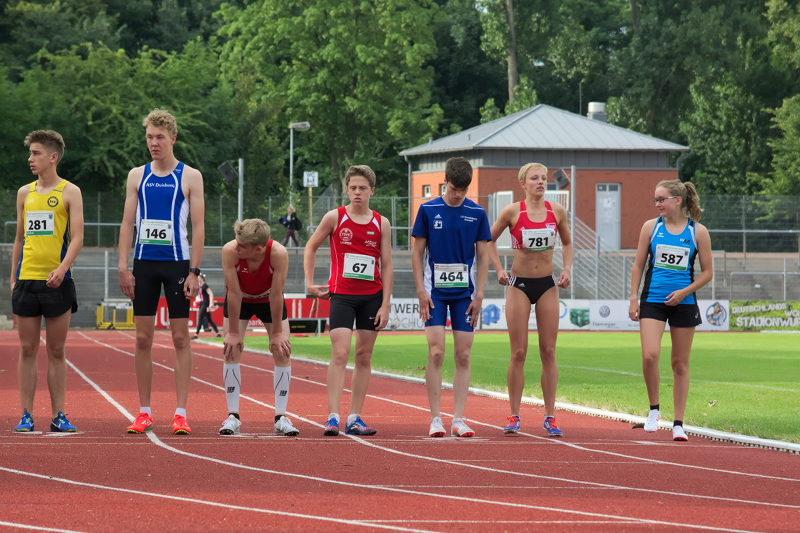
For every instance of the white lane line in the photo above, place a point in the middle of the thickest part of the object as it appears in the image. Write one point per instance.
(548, 440)
(37, 528)
(204, 502)
(444, 461)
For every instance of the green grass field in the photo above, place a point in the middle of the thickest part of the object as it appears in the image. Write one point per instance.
(746, 383)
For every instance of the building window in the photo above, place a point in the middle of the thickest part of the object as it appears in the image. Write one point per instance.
(552, 186)
(443, 189)
(426, 191)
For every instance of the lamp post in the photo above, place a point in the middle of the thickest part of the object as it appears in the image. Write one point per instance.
(299, 126)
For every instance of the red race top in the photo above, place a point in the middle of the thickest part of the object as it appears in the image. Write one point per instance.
(534, 236)
(355, 255)
(256, 282)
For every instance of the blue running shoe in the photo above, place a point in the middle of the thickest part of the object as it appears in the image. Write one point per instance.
(331, 427)
(25, 423)
(551, 427)
(60, 423)
(513, 424)
(358, 427)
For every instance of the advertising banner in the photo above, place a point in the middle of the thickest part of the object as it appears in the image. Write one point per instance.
(747, 315)
(572, 315)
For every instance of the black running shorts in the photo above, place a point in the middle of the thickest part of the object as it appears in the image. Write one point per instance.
(261, 311)
(678, 316)
(359, 308)
(150, 276)
(32, 297)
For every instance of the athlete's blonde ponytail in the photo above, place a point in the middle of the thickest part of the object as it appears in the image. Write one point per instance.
(690, 201)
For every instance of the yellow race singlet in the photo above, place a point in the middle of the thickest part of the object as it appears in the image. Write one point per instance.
(46, 233)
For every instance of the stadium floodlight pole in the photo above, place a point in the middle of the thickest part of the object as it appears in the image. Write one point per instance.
(299, 126)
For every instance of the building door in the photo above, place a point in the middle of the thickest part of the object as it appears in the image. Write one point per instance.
(607, 215)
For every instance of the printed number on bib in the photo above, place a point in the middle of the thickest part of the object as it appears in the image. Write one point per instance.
(39, 223)
(672, 257)
(538, 239)
(450, 275)
(155, 232)
(359, 266)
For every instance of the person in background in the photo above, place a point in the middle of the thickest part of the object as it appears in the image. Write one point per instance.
(207, 306)
(292, 225)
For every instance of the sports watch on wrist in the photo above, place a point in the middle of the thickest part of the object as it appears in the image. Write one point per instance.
(195, 271)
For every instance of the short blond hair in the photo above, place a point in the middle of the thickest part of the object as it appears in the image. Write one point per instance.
(253, 231)
(528, 166)
(161, 119)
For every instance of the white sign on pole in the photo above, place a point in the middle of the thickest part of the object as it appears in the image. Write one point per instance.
(310, 179)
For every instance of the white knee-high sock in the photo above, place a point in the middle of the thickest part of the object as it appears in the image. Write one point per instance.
(232, 378)
(281, 379)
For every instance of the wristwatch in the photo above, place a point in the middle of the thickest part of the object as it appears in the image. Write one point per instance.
(195, 271)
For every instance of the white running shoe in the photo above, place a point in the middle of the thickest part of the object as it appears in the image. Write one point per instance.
(437, 428)
(284, 427)
(652, 420)
(230, 426)
(460, 429)
(679, 434)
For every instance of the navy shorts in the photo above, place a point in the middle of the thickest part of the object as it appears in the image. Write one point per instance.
(459, 320)
(32, 297)
(360, 309)
(150, 276)
(532, 287)
(261, 311)
(678, 316)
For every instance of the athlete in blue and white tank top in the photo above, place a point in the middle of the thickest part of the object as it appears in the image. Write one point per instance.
(670, 263)
(161, 215)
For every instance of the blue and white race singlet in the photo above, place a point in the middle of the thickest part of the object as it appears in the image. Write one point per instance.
(671, 263)
(161, 217)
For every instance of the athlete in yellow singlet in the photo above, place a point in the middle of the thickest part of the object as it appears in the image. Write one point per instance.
(48, 238)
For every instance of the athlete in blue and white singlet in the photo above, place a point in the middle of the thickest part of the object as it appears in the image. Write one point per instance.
(670, 264)
(161, 216)
(449, 264)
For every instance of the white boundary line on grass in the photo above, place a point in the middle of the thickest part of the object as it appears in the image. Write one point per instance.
(713, 434)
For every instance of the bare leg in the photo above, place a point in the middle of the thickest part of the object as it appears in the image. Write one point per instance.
(340, 353)
(518, 312)
(650, 332)
(143, 358)
(183, 359)
(681, 350)
(433, 370)
(56, 331)
(362, 371)
(547, 326)
(28, 330)
(462, 341)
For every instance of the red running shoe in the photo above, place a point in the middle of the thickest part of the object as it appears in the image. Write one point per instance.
(143, 422)
(179, 426)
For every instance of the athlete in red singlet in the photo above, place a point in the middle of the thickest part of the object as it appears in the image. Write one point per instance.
(359, 287)
(534, 224)
(255, 269)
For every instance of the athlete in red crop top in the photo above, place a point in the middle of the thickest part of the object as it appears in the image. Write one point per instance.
(255, 269)
(360, 287)
(534, 224)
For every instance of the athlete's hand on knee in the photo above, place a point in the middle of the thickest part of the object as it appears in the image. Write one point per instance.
(319, 291)
(381, 318)
(127, 283)
(502, 277)
(425, 306)
(232, 342)
(633, 310)
(280, 346)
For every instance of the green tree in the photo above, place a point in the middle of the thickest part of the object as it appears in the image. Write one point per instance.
(355, 70)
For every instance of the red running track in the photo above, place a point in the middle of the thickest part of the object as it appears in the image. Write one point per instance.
(603, 476)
